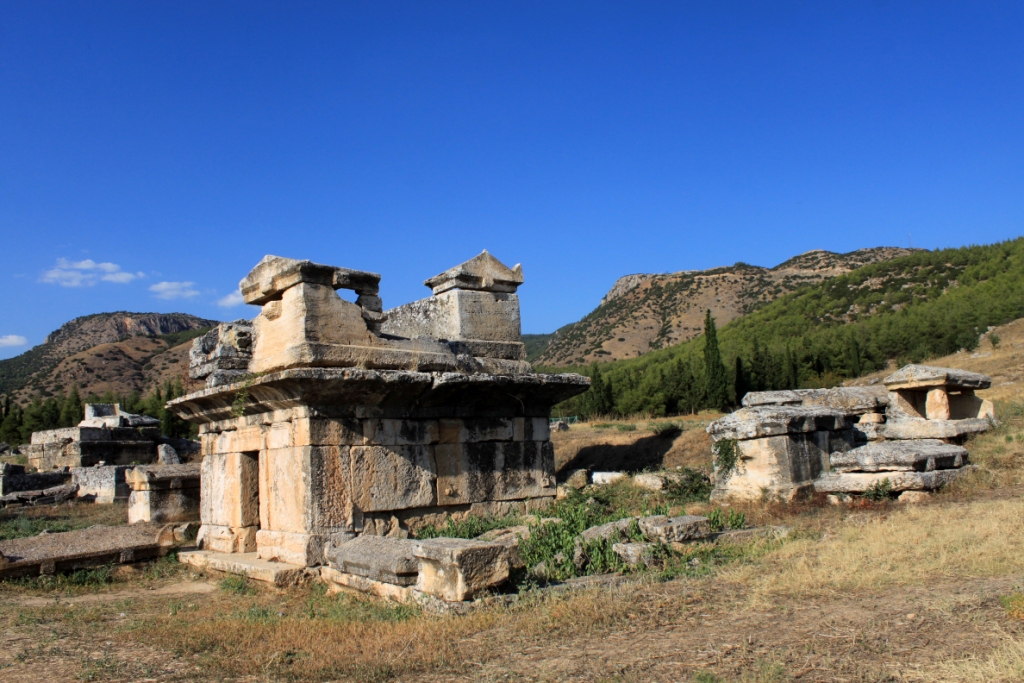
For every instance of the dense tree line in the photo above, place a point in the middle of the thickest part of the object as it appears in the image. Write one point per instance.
(924, 305)
(17, 423)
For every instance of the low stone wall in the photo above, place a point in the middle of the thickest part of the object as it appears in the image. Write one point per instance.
(103, 484)
(14, 478)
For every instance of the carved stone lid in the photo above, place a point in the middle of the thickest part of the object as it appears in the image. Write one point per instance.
(926, 376)
(274, 274)
(483, 273)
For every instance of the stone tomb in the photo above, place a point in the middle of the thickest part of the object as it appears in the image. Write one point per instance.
(107, 434)
(903, 434)
(361, 422)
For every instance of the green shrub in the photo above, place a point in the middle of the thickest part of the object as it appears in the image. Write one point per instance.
(626, 428)
(690, 486)
(881, 490)
(471, 527)
(736, 519)
(716, 519)
(726, 455)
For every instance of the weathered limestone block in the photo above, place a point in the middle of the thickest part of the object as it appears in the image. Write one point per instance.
(222, 355)
(780, 466)
(482, 273)
(927, 376)
(230, 490)
(859, 482)
(531, 429)
(922, 455)
(167, 455)
(965, 405)
(937, 404)
(455, 569)
(675, 529)
(224, 539)
(164, 493)
(851, 400)
(275, 274)
(634, 554)
(16, 479)
(305, 490)
(478, 471)
(393, 477)
(755, 423)
(390, 432)
(389, 560)
(510, 538)
(103, 485)
(473, 430)
(933, 429)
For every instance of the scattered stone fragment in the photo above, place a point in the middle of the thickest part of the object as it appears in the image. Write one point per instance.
(914, 497)
(675, 529)
(602, 478)
(651, 482)
(634, 554)
(577, 479)
(167, 455)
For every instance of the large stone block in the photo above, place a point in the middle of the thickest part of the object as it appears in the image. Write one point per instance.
(393, 477)
(305, 550)
(473, 430)
(475, 472)
(391, 432)
(223, 539)
(859, 482)
(230, 490)
(933, 429)
(456, 569)
(305, 489)
(778, 466)
(327, 432)
(102, 484)
(919, 455)
(163, 506)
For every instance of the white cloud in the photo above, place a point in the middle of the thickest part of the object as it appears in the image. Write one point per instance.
(12, 340)
(231, 300)
(87, 273)
(174, 290)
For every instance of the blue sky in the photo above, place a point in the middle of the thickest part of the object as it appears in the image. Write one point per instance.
(151, 153)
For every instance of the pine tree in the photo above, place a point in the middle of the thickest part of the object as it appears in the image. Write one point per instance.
(10, 429)
(715, 376)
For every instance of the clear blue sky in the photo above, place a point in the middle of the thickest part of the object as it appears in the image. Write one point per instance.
(152, 152)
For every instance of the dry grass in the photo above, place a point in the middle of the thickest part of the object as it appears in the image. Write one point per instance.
(1005, 664)
(907, 547)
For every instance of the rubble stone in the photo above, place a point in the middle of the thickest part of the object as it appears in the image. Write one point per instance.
(102, 485)
(934, 429)
(927, 376)
(634, 554)
(765, 421)
(675, 529)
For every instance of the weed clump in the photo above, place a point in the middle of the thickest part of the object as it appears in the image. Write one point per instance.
(879, 491)
(237, 585)
(470, 527)
(688, 486)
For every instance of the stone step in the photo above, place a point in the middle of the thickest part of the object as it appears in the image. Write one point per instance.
(279, 574)
(388, 560)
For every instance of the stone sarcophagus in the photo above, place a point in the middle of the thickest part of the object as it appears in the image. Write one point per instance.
(355, 421)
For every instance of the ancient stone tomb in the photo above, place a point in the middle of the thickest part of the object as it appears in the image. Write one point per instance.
(350, 421)
(903, 435)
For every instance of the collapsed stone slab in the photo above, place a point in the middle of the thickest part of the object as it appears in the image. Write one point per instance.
(919, 456)
(388, 560)
(70, 550)
(861, 482)
(103, 484)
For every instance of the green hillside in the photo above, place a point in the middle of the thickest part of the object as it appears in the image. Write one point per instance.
(927, 304)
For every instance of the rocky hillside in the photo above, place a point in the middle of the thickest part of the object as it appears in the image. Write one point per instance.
(642, 313)
(120, 352)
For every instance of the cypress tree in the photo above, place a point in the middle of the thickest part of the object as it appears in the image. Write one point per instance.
(10, 429)
(741, 382)
(72, 412)
(715, 376)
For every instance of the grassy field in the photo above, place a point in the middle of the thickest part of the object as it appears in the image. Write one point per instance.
(876, 592)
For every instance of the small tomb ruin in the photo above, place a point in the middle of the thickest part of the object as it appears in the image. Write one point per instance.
(903, 435)
(333, 429)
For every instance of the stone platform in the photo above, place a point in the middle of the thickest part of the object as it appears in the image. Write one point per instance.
(279, 574)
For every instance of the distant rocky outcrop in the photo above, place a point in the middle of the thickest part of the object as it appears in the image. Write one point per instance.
(112, 365)
(644, 312)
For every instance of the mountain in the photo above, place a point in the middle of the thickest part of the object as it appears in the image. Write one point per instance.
(642, 313)
(120, 352)
(917, 307)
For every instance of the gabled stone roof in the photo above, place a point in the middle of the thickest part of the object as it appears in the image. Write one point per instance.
(483, 273)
